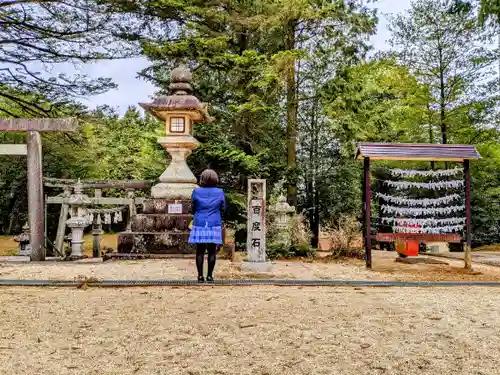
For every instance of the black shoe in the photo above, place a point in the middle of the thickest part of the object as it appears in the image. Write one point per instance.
(201, 279)
(210, 279)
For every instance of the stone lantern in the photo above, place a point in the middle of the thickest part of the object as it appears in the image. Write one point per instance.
(24, 241)
(162, 227)
(282, 213)
(179, 111)
(78, 203)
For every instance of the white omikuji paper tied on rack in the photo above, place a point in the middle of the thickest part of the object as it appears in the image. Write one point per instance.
(431, 222)
(440, 185)
(421, 202)
(439, 230)
(107, 218)
(417, 173)
(412, 211)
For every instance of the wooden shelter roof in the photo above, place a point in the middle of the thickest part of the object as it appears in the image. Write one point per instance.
(417, 151)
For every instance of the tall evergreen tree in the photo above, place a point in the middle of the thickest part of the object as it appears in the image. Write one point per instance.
(246, 56)
(447, 51)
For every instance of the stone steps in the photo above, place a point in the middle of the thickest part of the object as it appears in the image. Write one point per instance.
(171, 242)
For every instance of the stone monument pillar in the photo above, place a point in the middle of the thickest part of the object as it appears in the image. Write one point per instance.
(256, 227)
(163, 226)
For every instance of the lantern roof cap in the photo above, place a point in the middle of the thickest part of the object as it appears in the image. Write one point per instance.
(180, 98)
(282, 205)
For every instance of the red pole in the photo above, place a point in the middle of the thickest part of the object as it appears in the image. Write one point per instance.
(367, 213)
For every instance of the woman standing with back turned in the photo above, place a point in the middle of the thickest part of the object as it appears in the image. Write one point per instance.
(207, 205)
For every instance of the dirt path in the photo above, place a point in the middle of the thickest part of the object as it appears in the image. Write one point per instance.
(384, 268)
(249, 330)
(491, 258)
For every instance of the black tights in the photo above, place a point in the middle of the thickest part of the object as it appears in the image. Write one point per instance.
(200, 255)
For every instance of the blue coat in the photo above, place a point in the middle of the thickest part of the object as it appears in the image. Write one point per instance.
(207, 205)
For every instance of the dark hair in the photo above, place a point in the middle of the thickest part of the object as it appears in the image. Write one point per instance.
(209, 178)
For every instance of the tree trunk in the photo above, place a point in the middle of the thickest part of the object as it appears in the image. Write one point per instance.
(315, 226)
(315, 167)
(431, 130)
(35, 196)
(291, 118)
(310, 196)
(442, 100)
(310, 188)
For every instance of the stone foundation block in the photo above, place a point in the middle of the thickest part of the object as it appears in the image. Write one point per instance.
(160, 222)
(155, 243)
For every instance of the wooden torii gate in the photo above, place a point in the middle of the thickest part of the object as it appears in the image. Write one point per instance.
(33, 150)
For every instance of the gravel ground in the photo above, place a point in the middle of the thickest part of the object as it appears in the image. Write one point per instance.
(249, 330)
(384, 268)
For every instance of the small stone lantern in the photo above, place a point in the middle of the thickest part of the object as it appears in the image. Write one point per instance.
(24, 241)
(282, 213)
(78, 203)
(179, 111)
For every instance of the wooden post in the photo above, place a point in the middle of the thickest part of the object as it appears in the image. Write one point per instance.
(131, 208)
(96, 233)
(35, 196)
(367, 213)
(63, 216)
(45, 215)
(35, 177)
(96, 229)
(468, 217)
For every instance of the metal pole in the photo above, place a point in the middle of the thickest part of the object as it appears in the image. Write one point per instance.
(367, 213)
(468, 217)
(35, 196)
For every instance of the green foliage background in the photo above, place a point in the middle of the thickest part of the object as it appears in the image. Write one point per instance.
(241, 53)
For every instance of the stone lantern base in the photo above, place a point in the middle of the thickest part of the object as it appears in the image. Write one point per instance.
(162, 228)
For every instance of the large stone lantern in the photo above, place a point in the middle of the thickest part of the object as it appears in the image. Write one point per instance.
(180, 111)
(162, 228)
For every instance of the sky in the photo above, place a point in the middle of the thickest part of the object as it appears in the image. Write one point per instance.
(132, 90)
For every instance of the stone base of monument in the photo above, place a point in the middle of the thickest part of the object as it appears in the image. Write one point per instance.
(162, 228)
(256, 267)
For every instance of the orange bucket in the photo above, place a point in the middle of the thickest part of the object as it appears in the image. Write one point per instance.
(408, 248)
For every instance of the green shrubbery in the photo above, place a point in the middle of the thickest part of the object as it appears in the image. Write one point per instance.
(299, 245)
